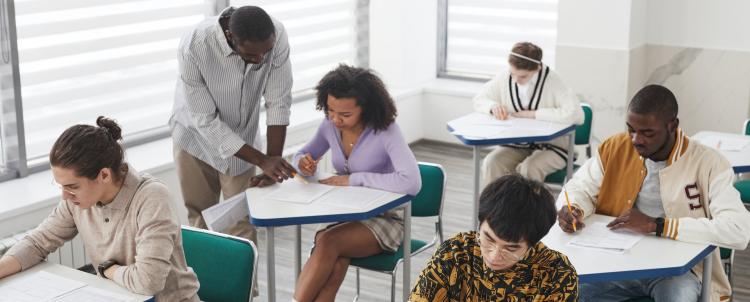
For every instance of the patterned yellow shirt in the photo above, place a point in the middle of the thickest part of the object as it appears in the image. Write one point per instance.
(457, 273)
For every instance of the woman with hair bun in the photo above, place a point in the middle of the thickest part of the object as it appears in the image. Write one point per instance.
(123, 217)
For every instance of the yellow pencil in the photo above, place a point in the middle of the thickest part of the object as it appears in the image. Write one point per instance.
(299, 178)
(570, 209)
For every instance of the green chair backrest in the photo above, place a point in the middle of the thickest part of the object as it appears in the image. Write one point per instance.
(583, 131)
(224, 264)
(743, 186)
(428, 201)
(747, 127)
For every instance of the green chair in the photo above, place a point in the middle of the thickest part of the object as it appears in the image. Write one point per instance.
(583, 137)
(225, 264)
(427, 203)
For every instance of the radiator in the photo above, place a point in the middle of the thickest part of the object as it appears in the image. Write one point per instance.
(72, 253)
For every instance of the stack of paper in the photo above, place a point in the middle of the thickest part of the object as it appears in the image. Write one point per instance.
(599, 236)
(298, 192)
(478, 125)
(43, 286)
(353, 197)
(225, 214)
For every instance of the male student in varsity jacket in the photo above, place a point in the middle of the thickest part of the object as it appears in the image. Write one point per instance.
(656, 180)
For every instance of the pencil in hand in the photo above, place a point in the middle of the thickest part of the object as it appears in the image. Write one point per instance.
(299, 178)
(570, 209)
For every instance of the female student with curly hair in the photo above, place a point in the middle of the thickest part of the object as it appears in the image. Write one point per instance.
(367, 149)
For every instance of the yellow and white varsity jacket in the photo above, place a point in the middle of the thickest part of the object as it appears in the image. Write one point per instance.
(700, 202)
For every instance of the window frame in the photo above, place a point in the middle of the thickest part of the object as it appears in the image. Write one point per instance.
(24, 167)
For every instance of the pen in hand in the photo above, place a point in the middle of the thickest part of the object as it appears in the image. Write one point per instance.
(570, 209)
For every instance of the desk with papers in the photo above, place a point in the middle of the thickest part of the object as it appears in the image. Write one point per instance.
(649, 257)
(735, 147)
(293, 203)
(57, 283)
(478, 130)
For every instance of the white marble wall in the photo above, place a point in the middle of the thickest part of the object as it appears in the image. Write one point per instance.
(599, 77)
(712, 86)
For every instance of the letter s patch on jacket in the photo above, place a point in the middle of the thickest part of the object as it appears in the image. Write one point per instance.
(694, 196)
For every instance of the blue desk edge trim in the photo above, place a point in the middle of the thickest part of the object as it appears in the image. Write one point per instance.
(647, 273)
(517, 140)
(274, 222)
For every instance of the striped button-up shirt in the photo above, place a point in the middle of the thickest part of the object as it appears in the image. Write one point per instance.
(218, 96)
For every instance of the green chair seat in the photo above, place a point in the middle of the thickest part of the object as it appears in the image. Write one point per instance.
(386, 261)
(558, 176)
(224, 264)
(744, 187)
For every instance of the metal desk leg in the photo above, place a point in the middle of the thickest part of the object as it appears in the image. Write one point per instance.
(706, 285)
(271, 266)
(475, 225)
(297, 252)
(571, 155)
(407, 251)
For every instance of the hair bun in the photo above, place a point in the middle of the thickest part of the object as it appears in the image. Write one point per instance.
(110, 126)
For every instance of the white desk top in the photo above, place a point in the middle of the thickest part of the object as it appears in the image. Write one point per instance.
(264, 212)
(70, 273)
(650, 257)
(519, 131)
(740, 160)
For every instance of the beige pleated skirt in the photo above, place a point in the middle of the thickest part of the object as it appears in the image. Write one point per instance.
(388, 229)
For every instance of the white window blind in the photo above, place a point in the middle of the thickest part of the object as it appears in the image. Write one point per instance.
(83, 58)
(322, 34)
(480, 33)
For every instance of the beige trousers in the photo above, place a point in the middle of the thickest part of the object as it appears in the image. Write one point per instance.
(532, 164)
(201, 186)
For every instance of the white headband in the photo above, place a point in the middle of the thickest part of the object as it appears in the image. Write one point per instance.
(525, 57)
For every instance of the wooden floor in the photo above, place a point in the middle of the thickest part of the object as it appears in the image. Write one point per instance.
(457, 218)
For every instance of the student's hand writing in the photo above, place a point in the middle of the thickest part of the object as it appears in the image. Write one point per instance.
(339, 180)
(276, 168)
(566, 219)
(307, 165)
(499, 112)
(633, 220)
(260, 181)
(524, 114)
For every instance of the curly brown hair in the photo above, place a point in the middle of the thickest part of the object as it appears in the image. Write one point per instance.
(378, 108)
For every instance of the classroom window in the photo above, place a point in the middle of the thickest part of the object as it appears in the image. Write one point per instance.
(79, 59)
(464, 49)
(322, 34)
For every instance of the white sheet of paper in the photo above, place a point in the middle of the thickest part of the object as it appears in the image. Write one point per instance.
(298, 192)
(38, 286)
(91, 294)
(354, 197)
(478, 125)
(726, 143)
(597, 235)
(225, 214)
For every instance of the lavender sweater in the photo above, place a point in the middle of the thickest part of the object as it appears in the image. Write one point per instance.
(380, 160)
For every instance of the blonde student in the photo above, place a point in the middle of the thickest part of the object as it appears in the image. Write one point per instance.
(123, 217)
(529, 89)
